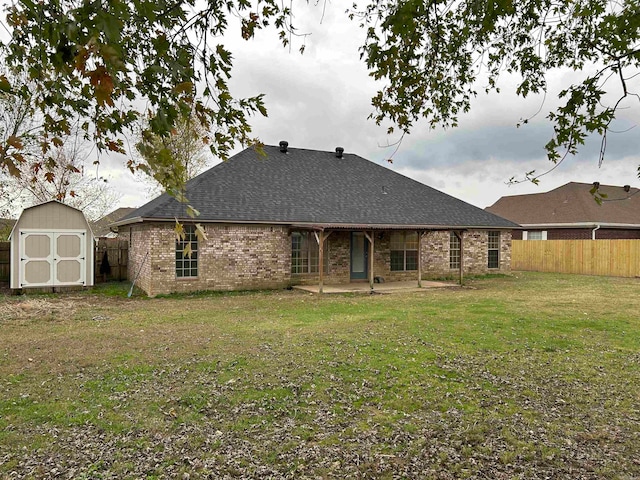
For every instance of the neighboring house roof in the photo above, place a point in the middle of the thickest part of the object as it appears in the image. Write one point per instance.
(572, 205)
(101, 227)
(315, 188)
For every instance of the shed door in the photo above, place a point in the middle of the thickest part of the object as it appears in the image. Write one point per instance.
(52, 258)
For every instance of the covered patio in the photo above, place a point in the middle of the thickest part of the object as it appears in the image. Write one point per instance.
(369, 253)
(387, 287)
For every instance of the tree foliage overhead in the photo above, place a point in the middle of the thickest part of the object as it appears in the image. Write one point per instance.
(111, 62)
(169, 161)
(433, 54)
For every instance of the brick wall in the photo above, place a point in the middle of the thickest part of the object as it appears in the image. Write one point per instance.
(139, 262)
(435, 254)
(236, 257)
(435, 257)
(233, 257)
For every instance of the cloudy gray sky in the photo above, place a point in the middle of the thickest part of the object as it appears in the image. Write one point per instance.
(322, 99)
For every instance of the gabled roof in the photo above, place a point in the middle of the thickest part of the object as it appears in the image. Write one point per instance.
(310, 187)
(101, 226)
(572, 204)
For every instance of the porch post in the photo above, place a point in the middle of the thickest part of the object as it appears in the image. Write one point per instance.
(321, 261)
(370, 237)
(420, 233)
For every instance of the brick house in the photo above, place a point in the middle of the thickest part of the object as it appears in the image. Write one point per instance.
(570, 212)
(296, 216)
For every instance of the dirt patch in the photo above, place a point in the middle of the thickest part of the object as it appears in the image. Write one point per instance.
(37, 308)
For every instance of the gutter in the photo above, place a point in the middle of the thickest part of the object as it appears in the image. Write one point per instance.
(317, 225)
(593, 232)
(531, 226)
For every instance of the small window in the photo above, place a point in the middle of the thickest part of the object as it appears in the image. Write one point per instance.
(493, 249)
(535, 235)
(404, 251)
(187, 253)
(454, 251)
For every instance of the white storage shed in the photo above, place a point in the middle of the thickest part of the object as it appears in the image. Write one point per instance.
(52, 245)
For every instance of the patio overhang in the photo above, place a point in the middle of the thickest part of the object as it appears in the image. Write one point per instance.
(323, 231)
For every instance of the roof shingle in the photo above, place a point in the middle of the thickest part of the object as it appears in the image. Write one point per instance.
(315, 187)
(571, 203)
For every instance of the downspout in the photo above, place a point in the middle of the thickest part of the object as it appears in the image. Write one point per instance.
(593, 232)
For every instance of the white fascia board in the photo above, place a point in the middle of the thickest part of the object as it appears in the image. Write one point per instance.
(539, 226)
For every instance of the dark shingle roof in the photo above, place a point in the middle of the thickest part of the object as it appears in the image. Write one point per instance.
(571, 203)
(315, 187)
(101, 227)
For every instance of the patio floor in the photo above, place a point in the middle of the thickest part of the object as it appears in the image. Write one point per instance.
(387, 287)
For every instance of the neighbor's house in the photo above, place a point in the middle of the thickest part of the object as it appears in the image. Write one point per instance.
(102, 227)
(297, 216)
(571, 212)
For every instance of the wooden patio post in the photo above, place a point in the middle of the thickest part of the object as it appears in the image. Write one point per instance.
(320, 239)
(420, 233)
(370, 238)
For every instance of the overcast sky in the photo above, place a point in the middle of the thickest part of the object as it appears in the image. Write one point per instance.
(321, 100)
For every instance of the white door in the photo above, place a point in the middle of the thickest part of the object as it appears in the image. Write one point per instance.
(52, 258)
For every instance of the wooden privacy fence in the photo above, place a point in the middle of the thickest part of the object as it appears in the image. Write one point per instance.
(5, 261)
(117, 252)
(616, 258)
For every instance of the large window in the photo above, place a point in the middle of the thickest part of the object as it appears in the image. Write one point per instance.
(454, 250)
(187, 253)
(305, 253)
(404, 251)
(493, 249)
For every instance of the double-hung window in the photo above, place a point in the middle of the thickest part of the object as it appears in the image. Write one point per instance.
(493, 249)
(404, 251)
(187, 253)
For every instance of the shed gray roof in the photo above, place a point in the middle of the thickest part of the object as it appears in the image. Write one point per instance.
(310, 187)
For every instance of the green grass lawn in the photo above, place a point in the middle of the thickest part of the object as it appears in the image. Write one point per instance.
(529, 376)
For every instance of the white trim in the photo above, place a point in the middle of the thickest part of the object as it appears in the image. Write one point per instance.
(526, 236)
(53, 235)
(540, 226)
(81, 258)
(52, 230)
(24, 259)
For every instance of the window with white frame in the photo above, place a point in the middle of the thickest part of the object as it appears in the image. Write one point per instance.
(534, 235)
(454, 250)
(404, 251)
(187, 253)
(305, 253)
(493, 249)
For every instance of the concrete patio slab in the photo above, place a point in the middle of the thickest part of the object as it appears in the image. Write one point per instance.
(387, 287)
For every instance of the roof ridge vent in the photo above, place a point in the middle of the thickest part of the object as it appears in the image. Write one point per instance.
(339, 152)
(284, 145)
